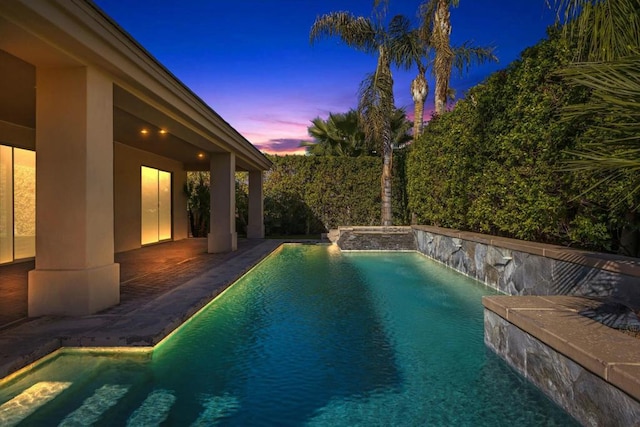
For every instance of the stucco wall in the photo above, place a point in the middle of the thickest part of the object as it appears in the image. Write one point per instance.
(127, 214)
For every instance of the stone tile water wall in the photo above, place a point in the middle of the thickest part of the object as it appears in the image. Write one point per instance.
(591, 371)
(516, 267)
(587, 396)
(374, 238)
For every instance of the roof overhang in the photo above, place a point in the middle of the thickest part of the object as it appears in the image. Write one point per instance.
(52, 33)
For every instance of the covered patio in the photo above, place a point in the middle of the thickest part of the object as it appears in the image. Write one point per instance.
(162, 286)
(108, 135)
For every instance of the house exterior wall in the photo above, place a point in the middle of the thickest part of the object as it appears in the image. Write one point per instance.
(96, 85)
(127, 196)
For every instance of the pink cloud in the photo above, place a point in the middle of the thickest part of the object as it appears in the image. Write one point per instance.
(281, 146)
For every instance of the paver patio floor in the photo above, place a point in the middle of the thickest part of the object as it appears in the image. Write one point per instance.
(160, 287)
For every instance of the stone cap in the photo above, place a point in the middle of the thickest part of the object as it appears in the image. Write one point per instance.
(609, 262)
(377, 229)
(554, 320)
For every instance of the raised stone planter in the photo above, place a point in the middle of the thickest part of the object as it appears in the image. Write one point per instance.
(590, 370)
(515, 267)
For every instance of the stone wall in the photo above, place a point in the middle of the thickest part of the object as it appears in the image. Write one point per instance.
(519, 269)
(516, 267)
(586, 396)
(375, 238)
(594, 378)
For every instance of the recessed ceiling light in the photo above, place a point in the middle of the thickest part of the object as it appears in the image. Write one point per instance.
(163, 131)
(201, 155)
(144, 131)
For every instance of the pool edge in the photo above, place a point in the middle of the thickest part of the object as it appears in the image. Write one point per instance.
(575, 361)
(49, 342)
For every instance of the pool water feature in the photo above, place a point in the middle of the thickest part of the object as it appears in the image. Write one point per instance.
(311, 336)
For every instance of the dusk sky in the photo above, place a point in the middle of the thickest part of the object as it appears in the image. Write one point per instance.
(251, 60)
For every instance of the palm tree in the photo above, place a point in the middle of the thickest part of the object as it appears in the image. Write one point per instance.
(419, 92)
(410, 49)
(440, 39)
(400, 127)
(607, 33)
(435, 32)
(339, 135)
(376, 92)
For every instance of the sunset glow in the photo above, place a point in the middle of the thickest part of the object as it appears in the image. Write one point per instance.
(265, 78)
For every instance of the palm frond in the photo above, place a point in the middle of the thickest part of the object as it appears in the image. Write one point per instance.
(398, 27)
(376, 105)
(607, 36)
(615, 93)
(604, 29)
(356, 31)
(599, 157)
(400, 127)
(426, 13)
(407, 49)
(465, 55)
(339, 135)
(599, 160)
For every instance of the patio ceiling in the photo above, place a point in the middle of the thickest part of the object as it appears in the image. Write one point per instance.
(146, 95)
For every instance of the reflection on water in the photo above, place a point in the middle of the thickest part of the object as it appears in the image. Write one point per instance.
(316, 337)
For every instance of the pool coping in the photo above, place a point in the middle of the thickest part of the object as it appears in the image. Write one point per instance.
(27, 343)
(608, 262)
(554, 320)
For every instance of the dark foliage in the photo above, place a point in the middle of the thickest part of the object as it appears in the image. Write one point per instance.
(496, 163)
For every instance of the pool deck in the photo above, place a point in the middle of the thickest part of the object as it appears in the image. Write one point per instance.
(161, 286)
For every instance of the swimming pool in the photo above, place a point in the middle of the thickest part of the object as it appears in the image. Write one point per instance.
(311, 336)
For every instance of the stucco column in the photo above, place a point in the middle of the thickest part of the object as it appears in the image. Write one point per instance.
(223, 237)
(255, 228)
(75, 273)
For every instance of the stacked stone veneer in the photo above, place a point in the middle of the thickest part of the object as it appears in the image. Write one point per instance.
(515, 267)
(544, 350)
(588, 397)
(375, 238)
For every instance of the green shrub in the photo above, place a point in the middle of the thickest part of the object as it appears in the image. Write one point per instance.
(496, 163)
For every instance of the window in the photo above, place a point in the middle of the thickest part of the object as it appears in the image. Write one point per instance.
(17, 203)
(156, 205)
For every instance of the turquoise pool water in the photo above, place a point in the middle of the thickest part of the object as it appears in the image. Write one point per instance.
(311, 337)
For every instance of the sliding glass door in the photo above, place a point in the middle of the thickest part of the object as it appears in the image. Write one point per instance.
(156, 205)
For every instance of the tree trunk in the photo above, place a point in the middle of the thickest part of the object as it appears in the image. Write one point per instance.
(387, 216)
(386, 107)
(419, 90)
(630, 236)
(444, 54)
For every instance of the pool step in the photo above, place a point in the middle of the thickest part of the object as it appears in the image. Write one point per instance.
(216, 407)
(154, 410)
(93, 407)
(29, 401)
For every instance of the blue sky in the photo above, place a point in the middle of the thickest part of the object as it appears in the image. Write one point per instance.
(252, 62)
